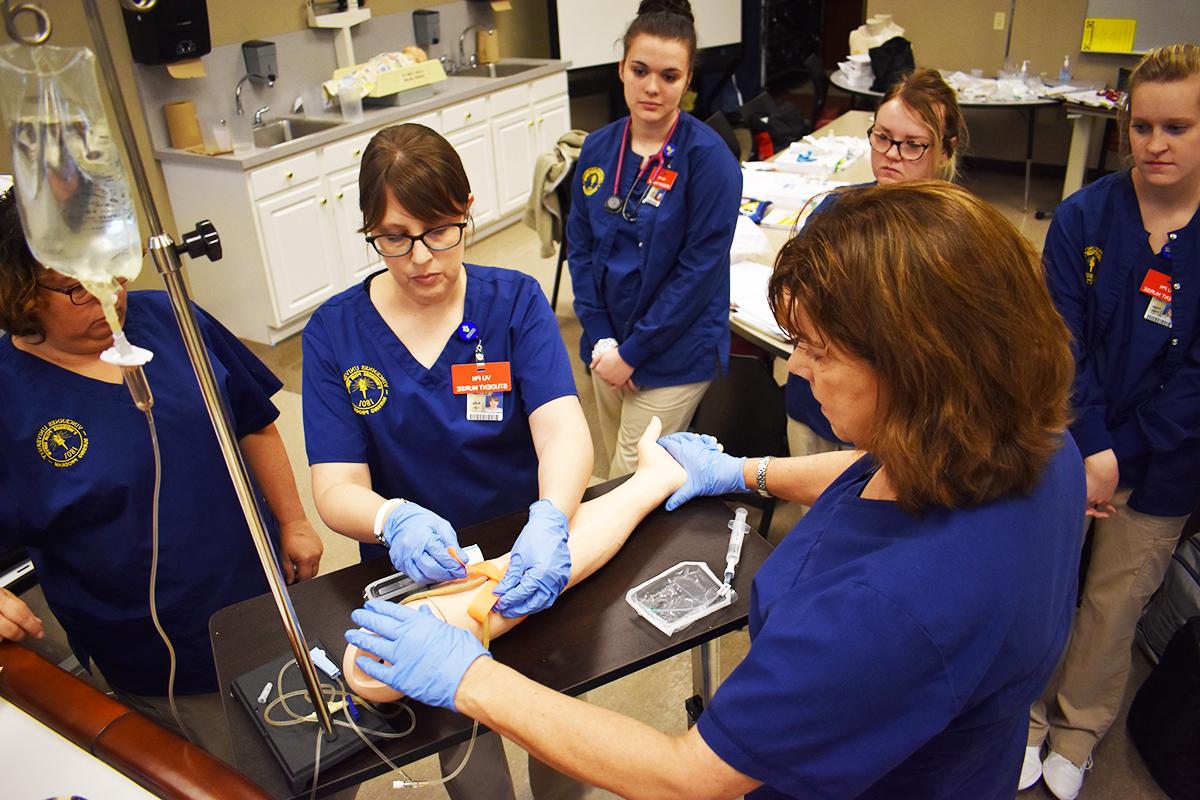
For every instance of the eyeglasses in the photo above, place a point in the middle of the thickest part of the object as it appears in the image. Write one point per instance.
(78, 294)
(442, 237)
(908, 149)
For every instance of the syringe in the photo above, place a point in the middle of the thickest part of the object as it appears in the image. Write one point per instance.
(737, 532)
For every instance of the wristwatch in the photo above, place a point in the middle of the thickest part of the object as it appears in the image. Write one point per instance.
(382, 514)
(762, 476)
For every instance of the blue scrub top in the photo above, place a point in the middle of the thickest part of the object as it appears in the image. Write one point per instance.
(405, 423)
(76, 486)
(798, 396)
(1136, 382)
(658, 285)
(895, 656)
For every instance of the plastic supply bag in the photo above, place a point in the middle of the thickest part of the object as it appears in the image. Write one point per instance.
(674, 599)
(75, 204)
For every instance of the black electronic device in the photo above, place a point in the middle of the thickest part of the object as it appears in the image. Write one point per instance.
(295, 745)
(169, 32)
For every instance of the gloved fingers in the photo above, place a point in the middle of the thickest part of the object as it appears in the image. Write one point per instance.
(530, 596)
(680, 496)
(370, 643)
(380, 672)
(437, 550)
(512, 576)
(382, 623)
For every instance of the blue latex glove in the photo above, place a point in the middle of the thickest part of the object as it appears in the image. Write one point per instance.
(539, 565)
(709, 471)
(428, 657)
(417, 544)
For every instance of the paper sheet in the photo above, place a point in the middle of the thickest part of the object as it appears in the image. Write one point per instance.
(192, 68)
(1108, 35)
(748, 297)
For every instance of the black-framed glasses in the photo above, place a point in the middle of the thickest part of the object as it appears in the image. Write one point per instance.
(908, 149)
(442, 237)
(79, 295)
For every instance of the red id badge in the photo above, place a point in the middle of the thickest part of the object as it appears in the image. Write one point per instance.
(486, 378)
(1157, 285)
(663, 179)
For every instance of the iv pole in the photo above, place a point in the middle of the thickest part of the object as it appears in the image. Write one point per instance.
(203, 241)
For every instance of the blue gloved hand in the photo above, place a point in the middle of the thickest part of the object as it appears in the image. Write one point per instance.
(417, 542)
(539, 565)
(709, 471)
(428, 657)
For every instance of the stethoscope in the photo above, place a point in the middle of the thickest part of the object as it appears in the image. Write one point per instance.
(614, 203)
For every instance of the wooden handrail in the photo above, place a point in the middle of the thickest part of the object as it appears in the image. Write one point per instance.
(148, 754)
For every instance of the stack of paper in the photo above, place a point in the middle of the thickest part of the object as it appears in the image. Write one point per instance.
(748, 297)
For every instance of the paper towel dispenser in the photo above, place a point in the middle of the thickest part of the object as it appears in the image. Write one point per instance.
(169, 32)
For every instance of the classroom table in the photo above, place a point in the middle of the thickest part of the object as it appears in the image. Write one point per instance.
(588, 638)
(1029, 106)
(851, 123)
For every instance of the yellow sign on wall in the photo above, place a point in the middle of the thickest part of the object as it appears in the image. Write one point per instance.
(1108, 35)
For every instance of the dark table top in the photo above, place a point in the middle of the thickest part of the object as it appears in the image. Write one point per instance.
(590, 637)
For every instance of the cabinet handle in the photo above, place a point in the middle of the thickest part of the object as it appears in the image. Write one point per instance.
(289, 174)
(531, 123)
(541, 120)
(339, 195)
(324, 200)
(468, 115)
(357, 152)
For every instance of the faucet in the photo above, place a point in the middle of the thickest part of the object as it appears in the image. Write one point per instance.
(258, 116)
(237, 92)
(462, 55)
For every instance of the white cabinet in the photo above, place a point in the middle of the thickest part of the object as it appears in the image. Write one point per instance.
(290, 227)
(300, 240)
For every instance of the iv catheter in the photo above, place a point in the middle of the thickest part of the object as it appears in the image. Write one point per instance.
(166, 255)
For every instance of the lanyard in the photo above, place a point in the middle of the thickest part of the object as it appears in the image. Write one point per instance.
(613, 204)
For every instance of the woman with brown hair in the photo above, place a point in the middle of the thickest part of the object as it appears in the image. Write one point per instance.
(899, 633)
(403, 445)
(918, 133)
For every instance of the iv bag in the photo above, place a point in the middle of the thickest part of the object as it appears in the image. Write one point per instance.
(75, 204)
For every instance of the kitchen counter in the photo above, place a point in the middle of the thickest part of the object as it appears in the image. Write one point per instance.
(452, 90)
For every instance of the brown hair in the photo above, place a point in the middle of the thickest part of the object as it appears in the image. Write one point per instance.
(19, 273)
(417, 167)
(665, 19)
(936, 104)
(1173, 62)
(945, 300)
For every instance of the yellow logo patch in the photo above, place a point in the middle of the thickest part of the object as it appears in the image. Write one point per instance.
(593, 179)
(62, 442)
(1092, 255)
(367, 387)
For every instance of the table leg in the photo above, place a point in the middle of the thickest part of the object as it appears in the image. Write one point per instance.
(1029, 155)
(1077, 156)
(706, 670)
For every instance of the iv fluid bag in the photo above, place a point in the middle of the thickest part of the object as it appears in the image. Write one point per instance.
(75, 204)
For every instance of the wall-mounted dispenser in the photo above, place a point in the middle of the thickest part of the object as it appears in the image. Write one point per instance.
(260, 58)
(427, 27)
(169, 32)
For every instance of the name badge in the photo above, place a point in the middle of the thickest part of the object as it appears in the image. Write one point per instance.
(663, 179)
(485, 406)
(1157, 285)
(1159, 312)
(486, 378)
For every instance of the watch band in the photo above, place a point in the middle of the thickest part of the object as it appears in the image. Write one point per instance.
(762, 475)
(381, 516)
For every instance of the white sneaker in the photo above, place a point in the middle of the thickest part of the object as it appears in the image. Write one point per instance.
(1031, 769)
(1062, 777)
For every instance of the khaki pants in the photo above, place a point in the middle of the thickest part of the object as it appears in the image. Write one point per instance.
(624, 415)
(486, 776)
(1130, 554)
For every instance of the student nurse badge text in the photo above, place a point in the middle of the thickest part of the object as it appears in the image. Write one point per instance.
(491, 376)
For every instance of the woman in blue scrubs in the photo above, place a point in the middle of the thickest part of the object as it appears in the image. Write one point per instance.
(918, 133)
(1120, 257)
(900, 631)
(404, 443)
(653, 210)
(77, 481)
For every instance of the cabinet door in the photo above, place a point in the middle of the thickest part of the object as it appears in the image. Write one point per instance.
(474, 147)
(302, 257)
(553, 119)
(515, 138)
(358, 257)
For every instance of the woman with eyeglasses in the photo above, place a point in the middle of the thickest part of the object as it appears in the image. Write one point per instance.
(77, 482)
(919, 133)
(404, 444)
(653, 210)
